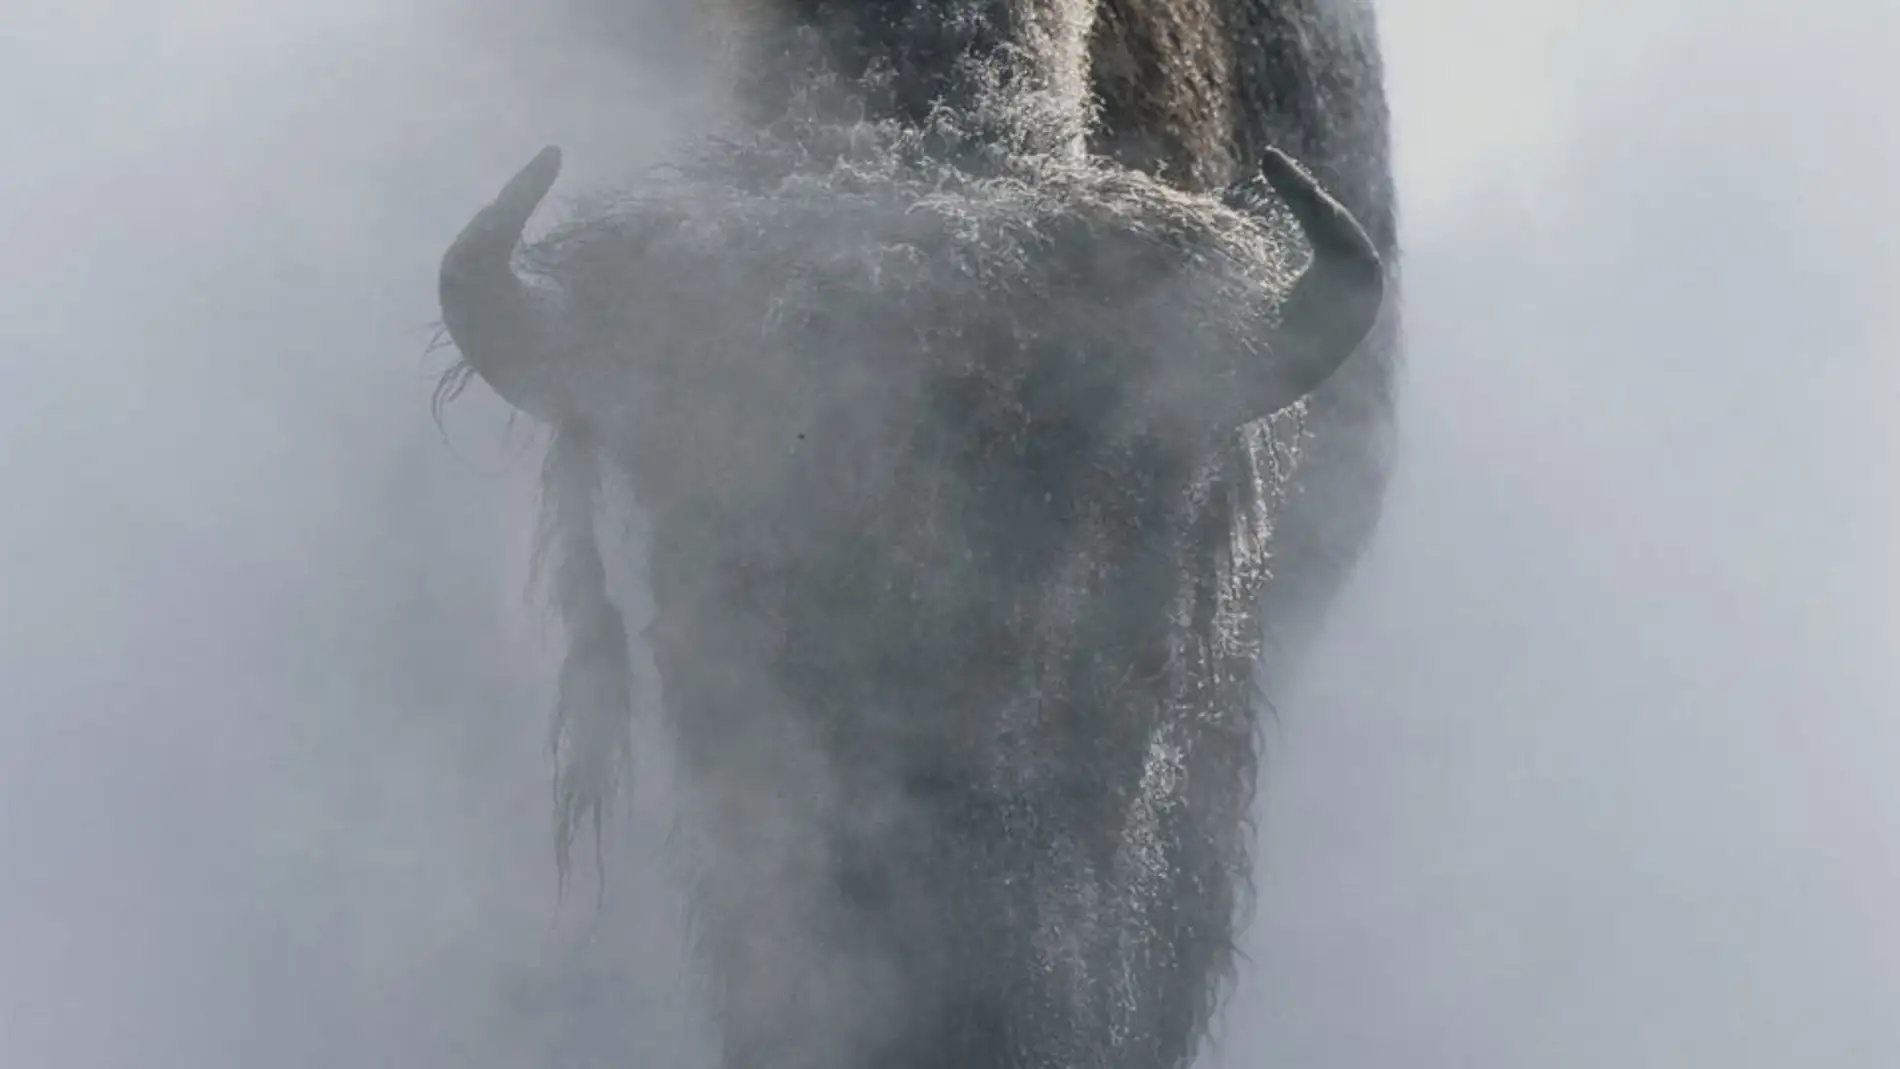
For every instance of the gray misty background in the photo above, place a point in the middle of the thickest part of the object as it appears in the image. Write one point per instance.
(1595, 765)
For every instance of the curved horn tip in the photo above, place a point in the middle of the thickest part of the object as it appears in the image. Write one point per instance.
(494, 319)
(522, 195)
(490, 237)
(1312, 204)
(533, 181)
(1337, 301)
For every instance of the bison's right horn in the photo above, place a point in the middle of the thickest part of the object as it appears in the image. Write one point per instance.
(502, 327)
(1337, 300)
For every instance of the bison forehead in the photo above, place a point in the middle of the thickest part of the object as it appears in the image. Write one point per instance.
(825, 331)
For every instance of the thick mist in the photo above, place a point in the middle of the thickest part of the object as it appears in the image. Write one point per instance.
(1597, 765)
(273, 785)
(1593, 766)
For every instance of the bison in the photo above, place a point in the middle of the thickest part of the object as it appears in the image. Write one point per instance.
(964, 385)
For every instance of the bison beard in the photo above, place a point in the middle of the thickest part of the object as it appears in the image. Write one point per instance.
(962, 446)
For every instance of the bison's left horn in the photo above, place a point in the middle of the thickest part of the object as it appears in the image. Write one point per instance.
(1336, 302)
(502, 327)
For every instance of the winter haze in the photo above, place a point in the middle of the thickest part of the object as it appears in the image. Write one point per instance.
(1595, 765)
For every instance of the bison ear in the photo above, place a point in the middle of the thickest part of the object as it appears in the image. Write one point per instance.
(1337, 299)
(502, 327)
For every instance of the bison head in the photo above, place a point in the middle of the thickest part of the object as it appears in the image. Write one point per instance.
(961, 465)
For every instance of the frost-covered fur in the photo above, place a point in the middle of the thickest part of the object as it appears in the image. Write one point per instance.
(960, 526)
(957, 541)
